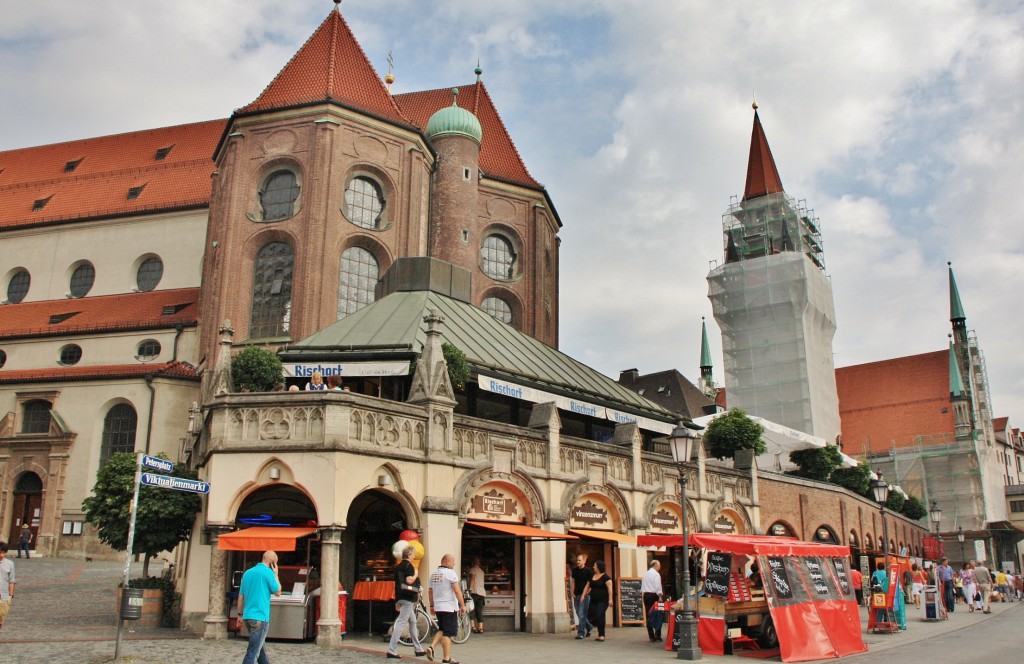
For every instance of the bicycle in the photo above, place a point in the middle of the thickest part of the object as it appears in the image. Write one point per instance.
(426, 625)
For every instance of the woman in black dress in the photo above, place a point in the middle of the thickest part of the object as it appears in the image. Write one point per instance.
(600, 590)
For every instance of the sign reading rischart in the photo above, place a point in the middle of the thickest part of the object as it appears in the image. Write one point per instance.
(345, 369)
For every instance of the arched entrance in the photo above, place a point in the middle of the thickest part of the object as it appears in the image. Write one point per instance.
(375, 520)
(28, 506)
(279, 505)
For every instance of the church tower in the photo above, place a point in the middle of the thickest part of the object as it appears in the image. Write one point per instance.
(773, 303)
(707, 378)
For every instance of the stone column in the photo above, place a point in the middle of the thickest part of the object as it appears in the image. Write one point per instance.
(329, 625)
(215, 624)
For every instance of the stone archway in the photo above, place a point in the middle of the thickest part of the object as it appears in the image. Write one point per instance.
(27, 501)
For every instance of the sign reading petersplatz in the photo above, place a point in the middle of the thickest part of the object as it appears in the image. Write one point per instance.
(779, 578)
(716, 582)
(156, 463)
(176, 483)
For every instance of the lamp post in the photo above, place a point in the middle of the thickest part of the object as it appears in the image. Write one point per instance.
(935, 513)
(960, 538)
(880, 488)
(681, 440)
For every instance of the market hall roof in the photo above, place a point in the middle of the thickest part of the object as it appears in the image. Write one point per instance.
(395, 323)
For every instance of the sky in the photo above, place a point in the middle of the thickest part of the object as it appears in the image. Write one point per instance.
(898, 123)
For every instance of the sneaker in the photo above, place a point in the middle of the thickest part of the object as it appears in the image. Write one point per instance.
(579, 637)
(588, 633)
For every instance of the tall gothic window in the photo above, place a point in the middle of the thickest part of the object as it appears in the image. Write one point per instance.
(498, 257)
(364, 202)
(272, 291)
(118, 431)
(356, 283)
(278, 196)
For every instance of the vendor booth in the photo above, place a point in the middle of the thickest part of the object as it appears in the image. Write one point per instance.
(798, 594)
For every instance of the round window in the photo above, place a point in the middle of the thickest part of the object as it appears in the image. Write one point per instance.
(498, 308)
(149, 274)
(148, 349)
(498, 257)
(17, 287)
(3, 359)
(82, 279)
(70, 354)
(364, 202)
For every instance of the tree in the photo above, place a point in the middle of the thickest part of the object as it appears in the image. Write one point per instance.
(732, 432)
(256, 369)
(856, 479)
(816, 463)
(163, 519)
(913, 508)
(895, 501)
(458, 366)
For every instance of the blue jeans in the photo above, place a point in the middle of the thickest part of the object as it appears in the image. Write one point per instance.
(23, 546)
(582, 607)
(257, 636)
(406, 614)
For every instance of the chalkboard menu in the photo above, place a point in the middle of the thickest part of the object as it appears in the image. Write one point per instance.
(844, 580)
(630, 601)
(716, 581)
(817, 575)
(779, 578)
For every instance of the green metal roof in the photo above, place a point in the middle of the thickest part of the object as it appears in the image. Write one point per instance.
(956, 383)
(705, 348)
(956, 308)
(454, 120)
(395, 323)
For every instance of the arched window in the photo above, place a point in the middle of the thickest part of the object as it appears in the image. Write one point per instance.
(36, 416)
(364, 202)
(118, 431)
(498, 308)
(149, 274)
(357, 280)
(272, 291)
(82, 280)
(278, 195)
(498, 257)
(17, 287)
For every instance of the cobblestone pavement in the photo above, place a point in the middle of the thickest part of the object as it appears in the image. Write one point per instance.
(64, 612)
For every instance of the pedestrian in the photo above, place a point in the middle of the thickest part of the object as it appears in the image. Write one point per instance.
(7, 582)
(258, 583)
(407, 593)
(967, 583)
(581, 605)
(946, 578)
(651, 591)
(599, 589)
(1001, 586)
(983, 578)
(917, 579)
(478, 592)
(446, 597)
(25, 540)
(858, 584)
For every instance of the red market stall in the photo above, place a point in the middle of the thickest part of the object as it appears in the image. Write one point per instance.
(804, 586)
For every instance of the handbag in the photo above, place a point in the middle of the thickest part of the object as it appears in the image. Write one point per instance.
(407, 587)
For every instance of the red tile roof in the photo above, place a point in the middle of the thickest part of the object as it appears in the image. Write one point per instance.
(499, 157)
(68, 374)
(330, 66)
(130, 311)
(109, 167)
(762, 175)
(999, 423)
(892, 402)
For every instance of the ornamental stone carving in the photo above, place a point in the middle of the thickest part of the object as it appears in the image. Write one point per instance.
(277, 424)
(620, 469)
(743, 488)
(572, 461)
(650, 473)
(532, 453)
(471, 443)
(384, 430)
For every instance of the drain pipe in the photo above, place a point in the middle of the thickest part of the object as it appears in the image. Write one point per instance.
(178, 329)
(152, 400)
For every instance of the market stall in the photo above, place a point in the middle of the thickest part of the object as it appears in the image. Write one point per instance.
(799, 594)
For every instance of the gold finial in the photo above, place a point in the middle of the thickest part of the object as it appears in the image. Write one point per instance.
(753, 103)
(389, 78)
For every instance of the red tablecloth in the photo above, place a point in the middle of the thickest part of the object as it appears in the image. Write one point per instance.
(380, 591)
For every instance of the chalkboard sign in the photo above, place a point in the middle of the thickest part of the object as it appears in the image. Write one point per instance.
(817, 575)
(844, 580)
(779, 578)
(630, 601)
(716, 581)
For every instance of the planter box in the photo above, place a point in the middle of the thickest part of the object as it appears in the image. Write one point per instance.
(152, 608)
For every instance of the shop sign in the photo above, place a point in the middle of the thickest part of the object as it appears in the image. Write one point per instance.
(716, 581)
(664, 520)
(589, 513)
(724, 524)
(494, 504)
(779, 578)
(778, 530)
(347, 369)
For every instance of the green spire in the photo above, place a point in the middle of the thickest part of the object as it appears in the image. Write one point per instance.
(956, 382)
(956, 308)
(705, 349)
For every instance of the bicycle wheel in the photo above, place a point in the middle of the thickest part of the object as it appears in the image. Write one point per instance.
(465, 629)
(423, 629)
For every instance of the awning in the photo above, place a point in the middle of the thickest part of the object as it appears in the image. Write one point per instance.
(526, 532)
(604, 535)
(766, 545)
(262, 538)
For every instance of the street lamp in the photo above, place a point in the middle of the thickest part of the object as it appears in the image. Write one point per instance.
(935, 512)
(681, 441)
(880, 488)
(960, 538)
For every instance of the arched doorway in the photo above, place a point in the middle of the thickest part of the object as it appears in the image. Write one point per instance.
(28, 506)
(375, 520)
(279, 505)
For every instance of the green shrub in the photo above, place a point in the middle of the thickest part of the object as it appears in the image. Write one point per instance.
(256, 369)
(816, 463)
(458, 366)
(732, 432)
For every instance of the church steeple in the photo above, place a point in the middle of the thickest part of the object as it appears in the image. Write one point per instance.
(707, 379)
(956, 381)
(956, 308)
(762, 175)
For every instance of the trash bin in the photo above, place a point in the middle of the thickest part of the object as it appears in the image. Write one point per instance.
(131, 603)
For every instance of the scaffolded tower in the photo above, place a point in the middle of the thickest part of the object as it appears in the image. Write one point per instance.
(773, 303)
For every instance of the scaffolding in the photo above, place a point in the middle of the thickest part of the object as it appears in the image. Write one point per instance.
(773, 303)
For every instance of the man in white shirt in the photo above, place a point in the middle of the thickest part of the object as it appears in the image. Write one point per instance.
(651, 588)
(446, 596)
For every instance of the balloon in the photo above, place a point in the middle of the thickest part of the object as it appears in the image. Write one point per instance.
(409, 535)
(418, 548)
(398, 548)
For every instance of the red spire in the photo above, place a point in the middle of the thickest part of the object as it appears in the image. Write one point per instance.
(762, 175)
(330, 66)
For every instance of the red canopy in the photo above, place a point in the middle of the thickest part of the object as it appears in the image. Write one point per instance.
(752, 545)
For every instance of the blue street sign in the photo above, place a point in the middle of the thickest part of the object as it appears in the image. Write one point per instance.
(156, 463)
(176, 483)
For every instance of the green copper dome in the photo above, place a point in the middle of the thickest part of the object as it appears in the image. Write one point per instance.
(453, 120)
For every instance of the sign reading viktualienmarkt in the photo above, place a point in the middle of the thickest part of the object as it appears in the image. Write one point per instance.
(665, 520)
(496, 503)
(592, 511)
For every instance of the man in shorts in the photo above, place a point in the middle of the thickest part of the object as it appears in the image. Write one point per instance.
(446, 596)
(7, 582)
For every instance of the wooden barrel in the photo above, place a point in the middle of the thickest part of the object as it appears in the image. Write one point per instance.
(152, 608)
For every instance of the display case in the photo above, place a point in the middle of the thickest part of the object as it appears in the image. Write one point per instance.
(500, 593)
